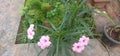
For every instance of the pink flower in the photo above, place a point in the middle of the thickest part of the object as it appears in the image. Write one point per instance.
(31, 26)
(84, 40)
(41, 45)
(78, 47)
(30, 32)
(44, 42)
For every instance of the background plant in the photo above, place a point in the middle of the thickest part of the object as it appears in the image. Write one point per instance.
(65, 21)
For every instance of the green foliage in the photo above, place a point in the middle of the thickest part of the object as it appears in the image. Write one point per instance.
(64, 21)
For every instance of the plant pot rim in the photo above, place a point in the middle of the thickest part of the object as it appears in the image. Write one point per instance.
(110, 38)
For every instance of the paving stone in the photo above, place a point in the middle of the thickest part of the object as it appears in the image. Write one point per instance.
(115, 51)
(27, 50)
(9, 22)
(2, 50)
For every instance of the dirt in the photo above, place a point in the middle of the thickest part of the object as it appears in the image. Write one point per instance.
(113, 33)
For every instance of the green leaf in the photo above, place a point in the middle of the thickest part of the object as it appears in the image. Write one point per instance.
(84, 11)
(45, 6)
(21, 12)
(57, 47)
(64, 21)
(82, 3)
(46, 28)
(53, 26)
(51, 51)
(87, 28)
(65, 49)
(104, 14)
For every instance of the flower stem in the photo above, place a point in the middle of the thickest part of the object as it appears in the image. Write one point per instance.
(57, 47)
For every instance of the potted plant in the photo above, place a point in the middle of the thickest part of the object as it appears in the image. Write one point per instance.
(111, 35)
(61, 26)
(111, 32)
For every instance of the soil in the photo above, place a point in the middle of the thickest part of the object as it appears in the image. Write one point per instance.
(112, 33)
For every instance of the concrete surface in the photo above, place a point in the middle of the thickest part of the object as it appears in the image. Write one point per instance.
(9, 22)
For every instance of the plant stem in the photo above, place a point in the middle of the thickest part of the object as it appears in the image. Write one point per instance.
(108, 18)
(57, 47)
(104, 14)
